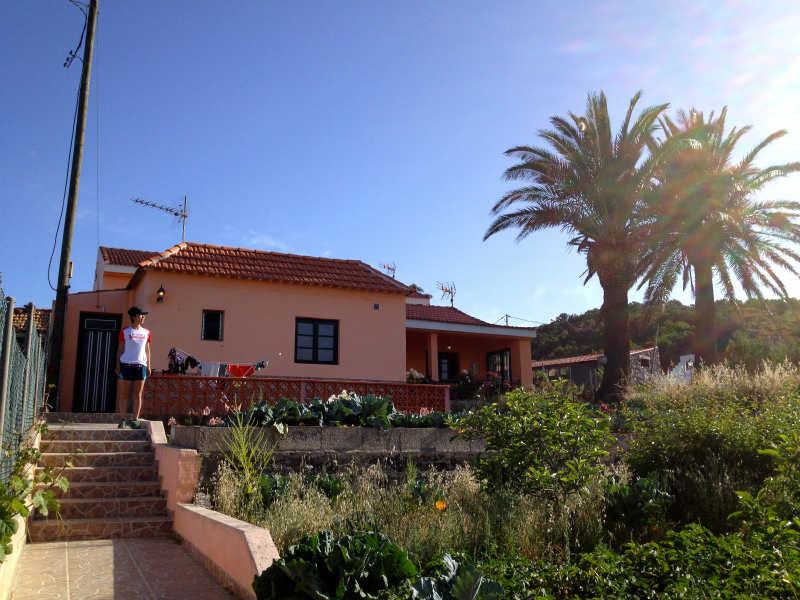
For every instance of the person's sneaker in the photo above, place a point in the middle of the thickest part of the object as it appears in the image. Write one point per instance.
(122, 424)
(135, 424)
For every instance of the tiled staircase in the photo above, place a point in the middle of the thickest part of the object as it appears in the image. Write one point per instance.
(113, 484)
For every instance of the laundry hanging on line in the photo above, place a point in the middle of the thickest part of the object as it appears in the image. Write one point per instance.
(180, 360)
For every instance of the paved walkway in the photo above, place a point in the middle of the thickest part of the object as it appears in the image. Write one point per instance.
(118, 569)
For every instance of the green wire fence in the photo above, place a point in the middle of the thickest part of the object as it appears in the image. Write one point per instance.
(22, 377)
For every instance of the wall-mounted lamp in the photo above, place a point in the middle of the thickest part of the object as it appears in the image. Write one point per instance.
(160, 294)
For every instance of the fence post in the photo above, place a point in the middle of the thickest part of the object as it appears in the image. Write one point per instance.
(5, 362)
(28, 353)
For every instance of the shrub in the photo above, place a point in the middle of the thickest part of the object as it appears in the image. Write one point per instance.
(704, 439)
(542, 443)
(18, 493)
(320, 567)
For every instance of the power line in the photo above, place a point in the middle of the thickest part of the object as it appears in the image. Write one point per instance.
(507, 317)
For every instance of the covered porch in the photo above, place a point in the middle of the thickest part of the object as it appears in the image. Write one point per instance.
(443, 342)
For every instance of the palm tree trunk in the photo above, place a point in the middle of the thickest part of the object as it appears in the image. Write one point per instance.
(705, 328)
(616, 339)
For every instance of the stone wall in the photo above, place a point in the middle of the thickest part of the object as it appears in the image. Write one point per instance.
(335, 449)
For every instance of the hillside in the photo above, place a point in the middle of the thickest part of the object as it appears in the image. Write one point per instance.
(747, 334)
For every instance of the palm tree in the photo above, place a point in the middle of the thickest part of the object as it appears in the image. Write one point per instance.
(706, 221)
(591, 184)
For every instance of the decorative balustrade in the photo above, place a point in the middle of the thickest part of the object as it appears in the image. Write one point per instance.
(180, 395)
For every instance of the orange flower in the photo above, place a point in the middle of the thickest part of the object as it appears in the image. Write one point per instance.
(440, 505)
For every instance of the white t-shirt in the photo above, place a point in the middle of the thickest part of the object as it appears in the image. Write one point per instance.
(135, 343)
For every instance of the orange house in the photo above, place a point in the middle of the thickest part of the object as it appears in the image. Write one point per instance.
(314, 317)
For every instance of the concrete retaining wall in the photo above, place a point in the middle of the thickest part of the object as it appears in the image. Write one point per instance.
(330, 449)
(9, 566)
(232, 550)
(340, 440)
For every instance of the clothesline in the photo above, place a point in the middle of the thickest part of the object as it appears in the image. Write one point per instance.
(180, 360)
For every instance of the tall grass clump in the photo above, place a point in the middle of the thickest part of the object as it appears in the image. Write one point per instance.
(703, 439)
(426, 515)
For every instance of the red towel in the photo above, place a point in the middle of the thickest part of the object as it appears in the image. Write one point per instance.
(240, 370)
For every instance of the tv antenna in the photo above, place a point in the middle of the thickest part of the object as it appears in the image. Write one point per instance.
(448, 289)
(390, 268)
(179, 210)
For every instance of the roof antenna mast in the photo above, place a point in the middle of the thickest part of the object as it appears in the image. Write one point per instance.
(180, 211)
(447, 289)
(390, 268)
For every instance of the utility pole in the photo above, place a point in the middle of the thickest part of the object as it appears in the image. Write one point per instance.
(62, 287)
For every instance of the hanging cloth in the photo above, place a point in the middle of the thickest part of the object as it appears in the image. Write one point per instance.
(209, 369)
(241, 370)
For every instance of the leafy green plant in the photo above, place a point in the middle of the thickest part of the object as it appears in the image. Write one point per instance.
(243, 449)
(364, 566)
(346, 409)
(19, 493)
(637, 509)
(457, 581)
(543, 443)
(273, 487)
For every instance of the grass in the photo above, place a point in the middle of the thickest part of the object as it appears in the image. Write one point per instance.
(469, 521)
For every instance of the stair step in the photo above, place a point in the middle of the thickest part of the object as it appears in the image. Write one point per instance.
(108, 489)
(94, 529)
(72, 417)
(95, 446)
(110, 474)
(110, 508)
(99, 459)
(72, 433)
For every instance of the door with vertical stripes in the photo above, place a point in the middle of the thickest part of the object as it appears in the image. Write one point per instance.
(95, 380)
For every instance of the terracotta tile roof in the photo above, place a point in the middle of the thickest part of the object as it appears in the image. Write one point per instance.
(204, 259)
(41, 316)
(126, 258)
(580, 359)
(416, 294)
(442, 314)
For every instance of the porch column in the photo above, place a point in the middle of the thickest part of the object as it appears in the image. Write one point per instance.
(433, 355)
(521, 365)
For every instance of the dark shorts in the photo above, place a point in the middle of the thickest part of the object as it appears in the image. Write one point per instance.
(132, 372)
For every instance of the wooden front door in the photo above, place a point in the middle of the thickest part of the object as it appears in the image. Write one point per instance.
(95, 379)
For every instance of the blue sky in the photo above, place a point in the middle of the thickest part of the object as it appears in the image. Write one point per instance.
(359, 130)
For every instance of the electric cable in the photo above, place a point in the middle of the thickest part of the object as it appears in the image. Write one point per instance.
(72, 55)
(66, 183)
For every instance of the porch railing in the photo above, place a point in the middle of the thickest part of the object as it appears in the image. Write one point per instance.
(180, 395)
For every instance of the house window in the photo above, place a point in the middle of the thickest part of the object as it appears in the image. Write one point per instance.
(448, 366)
(316, 342)
(212, 325)
(500, 362)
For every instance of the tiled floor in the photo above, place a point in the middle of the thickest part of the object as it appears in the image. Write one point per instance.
(119, 569)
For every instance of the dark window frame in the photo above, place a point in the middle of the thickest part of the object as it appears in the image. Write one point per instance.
(221, 337)
(456, 360)
(502, 354)
(315, 341)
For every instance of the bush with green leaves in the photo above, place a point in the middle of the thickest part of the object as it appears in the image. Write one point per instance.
(456, 581)
(541, 442)
(363, 566)
(366, 566)
(637, 510)
(19, 494)
(346, 409)
(705, 442)
(760, 558)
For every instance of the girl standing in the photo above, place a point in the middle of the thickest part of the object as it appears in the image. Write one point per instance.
(133, 358)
